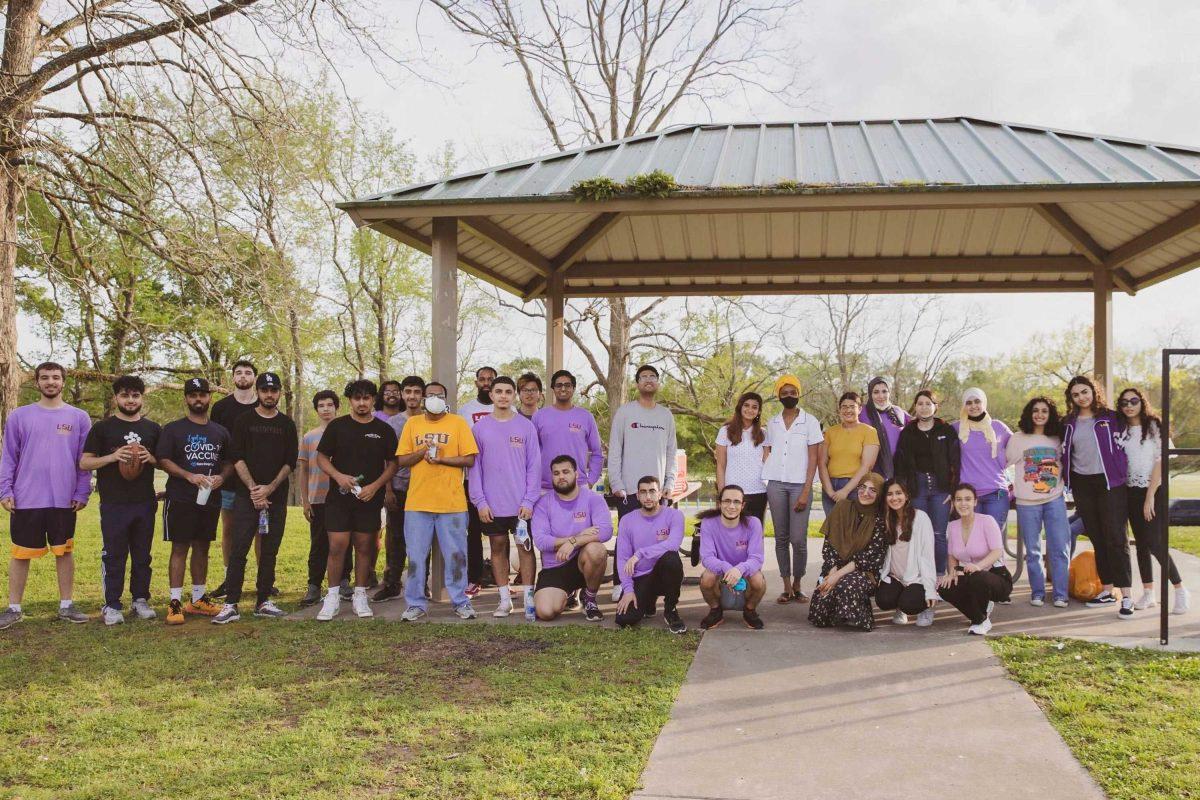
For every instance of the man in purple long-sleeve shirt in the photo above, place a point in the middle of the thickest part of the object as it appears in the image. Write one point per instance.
(566, 429)
(648, 559)
(504, 484)
(570, 526)
(731, 548)
(42, 487)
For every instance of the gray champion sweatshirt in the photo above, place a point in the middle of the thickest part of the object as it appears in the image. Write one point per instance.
(642, 442)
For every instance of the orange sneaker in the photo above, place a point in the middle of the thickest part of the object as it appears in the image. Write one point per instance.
(204, 607)
(175, 613)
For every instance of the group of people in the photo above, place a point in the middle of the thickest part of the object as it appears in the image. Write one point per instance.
(916, 509)
(521, 472)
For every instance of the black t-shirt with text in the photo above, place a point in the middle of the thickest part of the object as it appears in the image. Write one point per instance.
(266, 444)
(200, 449)
(358, 448)
(225, 412)
(109, 435)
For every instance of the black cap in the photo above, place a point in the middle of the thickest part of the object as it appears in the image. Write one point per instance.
(268, 380)
(195, 385)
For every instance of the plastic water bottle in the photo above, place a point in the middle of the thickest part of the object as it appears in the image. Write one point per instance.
(522, 535)
(264, 523)
(740, 586)
(356, 489)
(530, 608)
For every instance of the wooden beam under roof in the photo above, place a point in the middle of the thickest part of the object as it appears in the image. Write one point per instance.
(830, 287)
(509, 242)
(415, 239)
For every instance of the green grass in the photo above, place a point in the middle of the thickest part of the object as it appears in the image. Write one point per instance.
(270, 709)
(1130, 716)
(1186, 539)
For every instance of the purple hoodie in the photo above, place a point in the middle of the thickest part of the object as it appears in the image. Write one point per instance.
(649, 538)
(505, 474)
(555, 518)
(39, 467)
(722, 549)
(572, 433)
(1109, 425)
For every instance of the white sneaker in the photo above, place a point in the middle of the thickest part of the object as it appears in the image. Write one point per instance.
(899, 618)
(925, 618)
(465, 611)
(1037, 602)
(141, 607)
(982, 628)
(1061, 603)
(361, 605)
(1125, 612)
(1146, 600)
(1182, 596)
(412, 614)
(330, 607)
(112, 616)
(617, 591)
(269, 610)
(504, 609)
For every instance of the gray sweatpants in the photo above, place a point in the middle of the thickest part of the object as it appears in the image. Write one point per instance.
(791, 528)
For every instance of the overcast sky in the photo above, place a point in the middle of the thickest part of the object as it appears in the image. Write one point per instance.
(1099, 66)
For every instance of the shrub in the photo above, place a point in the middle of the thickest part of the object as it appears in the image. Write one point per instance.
(600, 188)
(652, 184)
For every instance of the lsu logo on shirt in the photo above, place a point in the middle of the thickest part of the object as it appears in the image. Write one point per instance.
(64, 429)
(579, 516)
(662, 534)
(516, 441)
(574, 427)
(742, 544)
(432, 438)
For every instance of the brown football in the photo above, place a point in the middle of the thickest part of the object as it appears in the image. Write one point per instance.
(131, 469)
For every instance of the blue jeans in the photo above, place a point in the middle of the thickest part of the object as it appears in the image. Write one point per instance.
(932, 501)
(451, 530)
(1053, 517)
(827, 501)
(995, 505)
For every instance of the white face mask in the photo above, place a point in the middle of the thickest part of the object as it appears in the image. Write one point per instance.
(435, 405)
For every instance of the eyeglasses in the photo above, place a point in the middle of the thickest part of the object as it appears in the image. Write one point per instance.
(729, 501)
(530, 390)
(867, 490)
(562, 386)
(1133, 401)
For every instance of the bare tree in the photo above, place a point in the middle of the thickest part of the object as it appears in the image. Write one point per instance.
(78, 76)
(600, 70)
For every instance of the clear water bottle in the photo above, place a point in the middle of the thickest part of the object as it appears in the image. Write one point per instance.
(264, 523)
(357, 479)
(530, 608)
(522, 535)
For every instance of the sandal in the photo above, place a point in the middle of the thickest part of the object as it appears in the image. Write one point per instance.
(785, 597)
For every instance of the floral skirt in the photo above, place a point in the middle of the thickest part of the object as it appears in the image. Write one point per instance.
(848, 605)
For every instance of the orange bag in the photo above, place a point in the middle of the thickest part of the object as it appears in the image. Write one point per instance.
(1084, 579)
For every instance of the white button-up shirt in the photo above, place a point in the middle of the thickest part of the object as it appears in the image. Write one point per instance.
(788, 461)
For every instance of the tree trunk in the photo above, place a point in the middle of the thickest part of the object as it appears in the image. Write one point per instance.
(20, 37)
(618, 354)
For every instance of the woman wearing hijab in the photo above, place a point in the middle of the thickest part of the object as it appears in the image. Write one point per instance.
(983, 442)
(887, 420)
(852, 556)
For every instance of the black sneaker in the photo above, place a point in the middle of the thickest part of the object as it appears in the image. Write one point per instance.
(219, 591)
(652, 611)
(712, 619)
(752, 619)
(1103, 600)
(592, 613)
(1126, 610)
(674, 623)
(572, 601)
(311, 596)
(386, 592)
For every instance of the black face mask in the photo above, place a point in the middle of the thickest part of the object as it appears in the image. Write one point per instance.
(790, 402)
(485, 396)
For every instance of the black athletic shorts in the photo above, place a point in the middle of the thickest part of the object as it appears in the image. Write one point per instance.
(37, 531)
(500, 526)
(188, 522)
(567, 577)
(347, 514)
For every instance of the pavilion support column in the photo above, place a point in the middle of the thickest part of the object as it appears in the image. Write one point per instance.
(554, 323)
(444, 318)
(1102, 329)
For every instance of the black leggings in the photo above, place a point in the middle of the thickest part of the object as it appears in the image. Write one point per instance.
(1147, 534)
(756, 506)
(971, 593)
(663, 580)
(909, 599)
(1104, 512)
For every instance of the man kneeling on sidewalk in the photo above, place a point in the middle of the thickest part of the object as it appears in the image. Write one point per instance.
(648, 559)
(570, 526)
(731, 550)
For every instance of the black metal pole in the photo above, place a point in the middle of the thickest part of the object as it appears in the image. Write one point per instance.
(1163, 502)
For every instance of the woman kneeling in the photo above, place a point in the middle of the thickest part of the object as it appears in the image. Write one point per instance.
(851, 558)
(908, 582)
(977, 578)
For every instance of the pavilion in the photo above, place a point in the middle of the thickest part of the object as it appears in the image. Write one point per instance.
(865, 207)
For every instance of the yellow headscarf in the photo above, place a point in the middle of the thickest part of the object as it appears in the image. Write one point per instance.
(788, 380)
(984, 426)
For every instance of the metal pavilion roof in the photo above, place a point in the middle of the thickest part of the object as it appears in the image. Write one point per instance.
(953, 204)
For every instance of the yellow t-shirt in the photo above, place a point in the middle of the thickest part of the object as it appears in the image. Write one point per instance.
(846, 446)
(436, 488)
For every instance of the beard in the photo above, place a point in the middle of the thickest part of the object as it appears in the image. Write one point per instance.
(50, 392)
(484, 396)
(130, 412)
(199, 407)
(564, 490)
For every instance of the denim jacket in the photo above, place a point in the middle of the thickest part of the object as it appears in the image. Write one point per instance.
(1109, 426)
